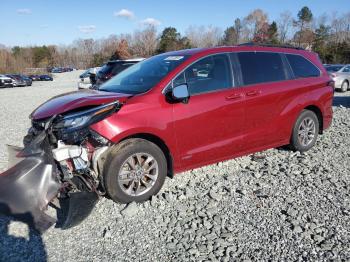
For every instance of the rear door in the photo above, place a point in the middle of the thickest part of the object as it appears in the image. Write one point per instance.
(268, 90)
(209, 127)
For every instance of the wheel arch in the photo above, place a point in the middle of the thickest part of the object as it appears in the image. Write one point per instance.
(161, 144)
(319, 115)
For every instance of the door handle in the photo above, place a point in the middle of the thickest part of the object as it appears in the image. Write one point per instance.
(253, 93)
(234, 97)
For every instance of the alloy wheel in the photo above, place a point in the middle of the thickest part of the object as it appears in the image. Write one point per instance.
(306, 131)
(138, 174)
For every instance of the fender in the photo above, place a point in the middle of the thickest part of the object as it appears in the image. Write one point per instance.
(136, 118)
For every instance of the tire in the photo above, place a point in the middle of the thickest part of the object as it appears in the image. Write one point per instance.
(344, 86)
(118, 164)
(297, 143)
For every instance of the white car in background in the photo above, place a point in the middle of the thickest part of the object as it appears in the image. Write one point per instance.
(340, 74)
(87, 78)
(6, 81)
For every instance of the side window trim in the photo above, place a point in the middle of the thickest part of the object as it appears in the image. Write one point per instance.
(171, 83)
(287, 67)
(236, 69)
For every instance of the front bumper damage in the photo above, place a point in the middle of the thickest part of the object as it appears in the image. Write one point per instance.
(30, 184)
(33, 181)
(61, 166)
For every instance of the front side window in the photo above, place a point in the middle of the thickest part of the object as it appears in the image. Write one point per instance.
(141, 77)
(302, 67)
(206, 75)
(261, 67)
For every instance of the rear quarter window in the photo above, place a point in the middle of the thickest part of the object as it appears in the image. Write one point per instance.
(261, 67)
(302, 67)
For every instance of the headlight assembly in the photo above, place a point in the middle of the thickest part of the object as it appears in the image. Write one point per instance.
(82, 119)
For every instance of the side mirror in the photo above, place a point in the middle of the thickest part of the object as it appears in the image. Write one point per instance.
(180, 93)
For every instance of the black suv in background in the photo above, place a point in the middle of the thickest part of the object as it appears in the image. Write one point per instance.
(113, 68)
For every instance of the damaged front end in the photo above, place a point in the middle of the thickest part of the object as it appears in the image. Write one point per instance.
(59, 165)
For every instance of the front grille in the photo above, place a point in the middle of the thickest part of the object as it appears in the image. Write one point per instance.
(8, 81)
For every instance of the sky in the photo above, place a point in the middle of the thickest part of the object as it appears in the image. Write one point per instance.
(38, 22)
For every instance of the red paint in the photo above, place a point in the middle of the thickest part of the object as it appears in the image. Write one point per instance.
(214, 126)
(66, 102)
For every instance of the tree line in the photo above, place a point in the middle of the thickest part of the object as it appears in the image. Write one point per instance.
(328, 35)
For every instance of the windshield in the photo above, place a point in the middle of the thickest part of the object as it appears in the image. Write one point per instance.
(142, 76)
(333, 68)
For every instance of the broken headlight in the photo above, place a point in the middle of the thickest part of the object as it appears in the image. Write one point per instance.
(79, 120)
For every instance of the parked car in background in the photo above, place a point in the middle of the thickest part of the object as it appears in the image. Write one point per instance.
(61, 69)
(88, 78)
(17, 80)
(6, 81)
(56, 70)
(27, 79)
(112, 68)
(46, 78)
(340, 75)
(34, 77)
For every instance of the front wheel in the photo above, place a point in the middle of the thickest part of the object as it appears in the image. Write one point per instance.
(344, 86)
(305, 131)
(134, 170)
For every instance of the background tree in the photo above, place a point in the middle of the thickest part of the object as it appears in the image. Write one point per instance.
(303, 25)
(262, 35)
(122, 51)
(272, 33)
(254, 24)
(320, 42)
(144, 43)
(284, 24)
(172, 40)
(204, 36)
(232, 34)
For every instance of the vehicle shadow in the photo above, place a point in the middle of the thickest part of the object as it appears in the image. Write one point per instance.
(341, 101)
(18, 248)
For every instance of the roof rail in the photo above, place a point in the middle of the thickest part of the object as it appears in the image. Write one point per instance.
(270, 45)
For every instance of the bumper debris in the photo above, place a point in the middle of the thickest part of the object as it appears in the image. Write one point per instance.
(30, 184)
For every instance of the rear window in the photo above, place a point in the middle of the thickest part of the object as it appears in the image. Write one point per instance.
(302, 67)
(106, 69)
(261, 67)
(120, 67)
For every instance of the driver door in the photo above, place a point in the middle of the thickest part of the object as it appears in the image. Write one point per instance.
(208, 127)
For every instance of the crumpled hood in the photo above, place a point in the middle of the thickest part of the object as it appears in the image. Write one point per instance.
(69, 101)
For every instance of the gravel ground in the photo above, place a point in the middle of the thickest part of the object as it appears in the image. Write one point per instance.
(275, 205)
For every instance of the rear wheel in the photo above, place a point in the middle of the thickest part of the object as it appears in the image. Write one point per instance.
(305, 131)
(344, 86)
(134, 171)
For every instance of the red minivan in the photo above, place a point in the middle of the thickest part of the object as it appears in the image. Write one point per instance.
(167, 114)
